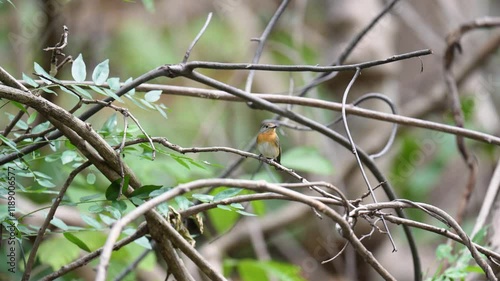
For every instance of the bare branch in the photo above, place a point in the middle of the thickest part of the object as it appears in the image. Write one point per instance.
(299, 68)
(402, 203)
(489, 200)
(350, 109)
(188, 52)
(253, 185)
(355, 152)
(262, 40)
(453, 45)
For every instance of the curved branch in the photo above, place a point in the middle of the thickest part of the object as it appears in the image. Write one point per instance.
(247, 184)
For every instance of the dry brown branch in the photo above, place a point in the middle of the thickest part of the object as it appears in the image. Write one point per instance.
(318, 103)
(452, 46)
(253, 185)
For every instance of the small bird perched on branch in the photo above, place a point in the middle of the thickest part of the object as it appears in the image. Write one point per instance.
(268, 142)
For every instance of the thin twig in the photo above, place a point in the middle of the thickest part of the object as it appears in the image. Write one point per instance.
(347, 50)
(244, 153)
(394, 130)
(134, 263)
(300, 68)
(489, 200)
(188, 52)
(253, 185)
(50, 216)
(453, 45)
(9, 80)
(262, 40)
(403, 203)
(355, 152)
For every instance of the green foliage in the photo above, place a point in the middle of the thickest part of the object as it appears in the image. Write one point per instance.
(249, 270)
(458, 261)
(307, 159)
(77, 241)
(78, 69)
(420, 161)
(101, 73)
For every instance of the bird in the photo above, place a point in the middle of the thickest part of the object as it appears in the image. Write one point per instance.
(268, 142)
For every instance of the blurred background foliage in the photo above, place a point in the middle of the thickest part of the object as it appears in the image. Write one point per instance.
(137, 36)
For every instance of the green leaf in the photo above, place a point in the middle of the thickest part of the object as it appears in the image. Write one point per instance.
(101, 72)
(98, 90)
(30, 81)
(120, 205)
(237, 206)
(78, 69)
(144, 190)
(40, 71)
(159, 108)
(225, 207)
(95, 209)
(480, 236)
(75, 240)
(248, 269)
(136, 201)
(227, 193)
(113, 95)
(42, 175)
(81, 91)
(205, 198)
(45, 183)
(474, 269)
(307, 159)
(9, 143)
(114, 83)
(241, 212)
(21, 125)
(222, 219)
(182, 162)
(443, 251)
(90, 197)
(131, 92)
(59, 223)
(132, 99)
(20, 106)
(32, 117)
(183, 202)
(146, 103)
(64, 89)
(114, 211)
(47, 90)
(49, 254)
(152, 96)
(41, 127)
(113, 190)
(143, 242)
(91, 178)
(107, 219)
(91, 221)
(68, 156)
(110, 124)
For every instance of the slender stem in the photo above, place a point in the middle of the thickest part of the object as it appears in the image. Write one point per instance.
(262, 40)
